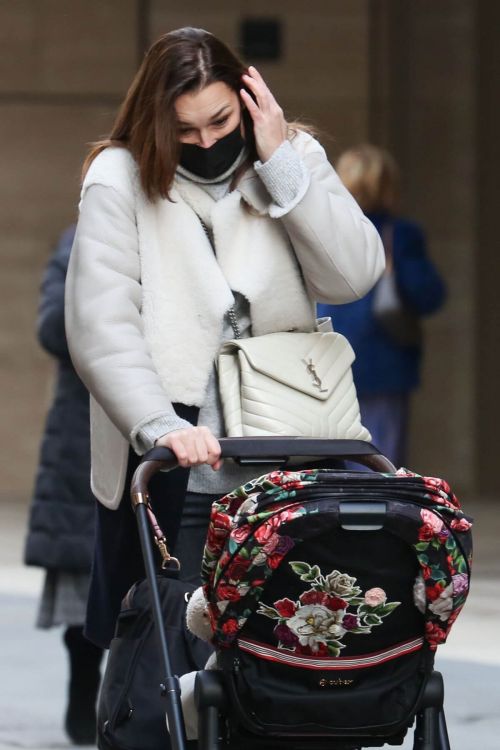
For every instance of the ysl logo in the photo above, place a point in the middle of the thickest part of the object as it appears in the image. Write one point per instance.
(311, 369)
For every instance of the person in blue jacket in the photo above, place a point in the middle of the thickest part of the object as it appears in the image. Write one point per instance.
(386, 371)
(61, 521)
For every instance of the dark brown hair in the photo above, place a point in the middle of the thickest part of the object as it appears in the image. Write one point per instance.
(184, 60)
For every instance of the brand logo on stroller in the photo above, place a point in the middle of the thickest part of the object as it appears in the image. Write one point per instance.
(339, 682)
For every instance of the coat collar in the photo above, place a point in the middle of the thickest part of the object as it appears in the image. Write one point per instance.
(187, 289)
(250, 188)
(253, 192)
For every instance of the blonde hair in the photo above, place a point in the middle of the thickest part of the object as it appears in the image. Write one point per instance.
(372, 176)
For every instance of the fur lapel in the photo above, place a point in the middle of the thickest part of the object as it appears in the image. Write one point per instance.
(257, 260)
(187, 289)
(185, 297)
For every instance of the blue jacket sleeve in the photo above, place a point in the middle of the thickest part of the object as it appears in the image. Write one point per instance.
(419, 283)
(50, 321)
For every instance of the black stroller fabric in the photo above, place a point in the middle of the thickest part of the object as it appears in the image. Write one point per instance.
(131, 710)
(328, 594)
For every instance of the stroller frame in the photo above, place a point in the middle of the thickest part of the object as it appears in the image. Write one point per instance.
(430, 731)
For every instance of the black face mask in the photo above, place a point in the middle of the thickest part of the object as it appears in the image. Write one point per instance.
(214, 161)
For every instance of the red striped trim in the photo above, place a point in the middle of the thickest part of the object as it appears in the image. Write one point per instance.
(339, 662)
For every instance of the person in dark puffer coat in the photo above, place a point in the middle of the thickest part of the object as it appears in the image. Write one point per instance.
(61, 521)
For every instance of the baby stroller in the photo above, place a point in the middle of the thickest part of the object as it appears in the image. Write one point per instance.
(328, 592)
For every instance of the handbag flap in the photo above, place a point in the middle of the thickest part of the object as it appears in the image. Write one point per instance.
(313, 363)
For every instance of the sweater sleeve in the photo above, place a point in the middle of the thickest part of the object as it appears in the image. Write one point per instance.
(103, 320)
(338, 248)
(285, 177)
(147, 434)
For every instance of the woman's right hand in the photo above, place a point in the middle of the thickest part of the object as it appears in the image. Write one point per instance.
(193, 446)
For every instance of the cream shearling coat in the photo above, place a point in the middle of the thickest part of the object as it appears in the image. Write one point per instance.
(146, 297)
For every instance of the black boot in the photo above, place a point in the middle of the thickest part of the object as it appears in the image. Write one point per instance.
(85, 676)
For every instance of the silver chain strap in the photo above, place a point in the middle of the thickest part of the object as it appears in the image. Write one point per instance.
(231, 313)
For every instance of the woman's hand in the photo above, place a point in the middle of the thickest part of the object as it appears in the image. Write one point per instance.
(269, 124)
(193, 446)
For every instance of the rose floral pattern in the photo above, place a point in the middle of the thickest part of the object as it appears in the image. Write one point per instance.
(248, 540)
(443, 584)
(244, 547)
(333, 607)
(233, 515)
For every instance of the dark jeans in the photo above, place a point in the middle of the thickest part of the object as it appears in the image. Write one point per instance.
(192, 534)
(386, 416)
(118, 559)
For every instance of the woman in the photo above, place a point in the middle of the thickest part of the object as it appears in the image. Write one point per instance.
(386, 369)
(199, 138)
(61, 522)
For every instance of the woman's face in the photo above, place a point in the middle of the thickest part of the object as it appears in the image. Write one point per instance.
(207, 115)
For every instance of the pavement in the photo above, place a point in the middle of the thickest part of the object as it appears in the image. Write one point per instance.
(33, 669)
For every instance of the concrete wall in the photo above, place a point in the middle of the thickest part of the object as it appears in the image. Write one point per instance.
(487, 266)
(431, 129)
(63, 70)
(401, 74)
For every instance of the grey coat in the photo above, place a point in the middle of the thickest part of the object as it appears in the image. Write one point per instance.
(61, 521)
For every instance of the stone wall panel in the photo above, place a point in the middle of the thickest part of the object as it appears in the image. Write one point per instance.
(55, 46)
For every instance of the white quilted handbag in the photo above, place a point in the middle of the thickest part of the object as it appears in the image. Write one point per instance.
(294, 384)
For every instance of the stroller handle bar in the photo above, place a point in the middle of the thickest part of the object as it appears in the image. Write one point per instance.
(262, 450)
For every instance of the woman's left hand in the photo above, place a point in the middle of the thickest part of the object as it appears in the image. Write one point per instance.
(269, 124)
